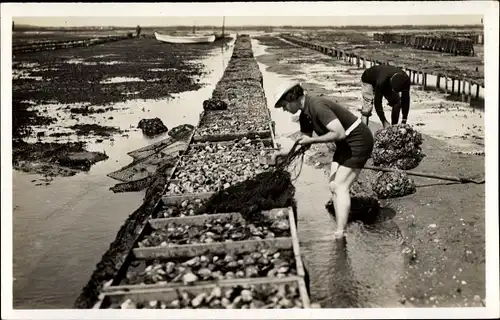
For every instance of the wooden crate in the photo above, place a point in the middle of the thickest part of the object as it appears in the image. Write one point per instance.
(269, 143)
(232, 136)
(190, 251)
(196, 249)
(170, 294)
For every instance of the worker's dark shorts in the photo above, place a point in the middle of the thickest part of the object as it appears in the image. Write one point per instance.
(356, 149)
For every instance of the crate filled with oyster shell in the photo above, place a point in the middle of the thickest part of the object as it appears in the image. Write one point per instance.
(172, 237)
(240, 115)
(243, 144)
(277, 293)
(215, 171)
(271, 258)
(233, 129)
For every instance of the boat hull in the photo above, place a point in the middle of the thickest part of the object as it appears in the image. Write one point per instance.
(184, 39)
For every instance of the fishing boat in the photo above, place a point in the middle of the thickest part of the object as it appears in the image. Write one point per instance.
(193, 38)
(222, 35)
(184, 39)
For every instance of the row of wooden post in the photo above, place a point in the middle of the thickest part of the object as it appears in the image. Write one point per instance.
(416, 76)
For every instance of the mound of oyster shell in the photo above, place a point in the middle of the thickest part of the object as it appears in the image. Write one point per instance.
(393, 184)
(398, 147)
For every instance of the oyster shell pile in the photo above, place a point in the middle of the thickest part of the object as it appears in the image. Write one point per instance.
(259, 296)
(211, 172)
(243, 144)
(238, 113)
(398, 147)
(209, 267)
(185, 208)
(234, 126)
(393, 184)
(236, 73)
(219, 230)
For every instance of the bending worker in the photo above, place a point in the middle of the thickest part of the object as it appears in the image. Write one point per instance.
(331, 122)
(387, 81)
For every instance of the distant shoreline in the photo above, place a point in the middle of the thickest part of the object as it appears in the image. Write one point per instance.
(258, 28)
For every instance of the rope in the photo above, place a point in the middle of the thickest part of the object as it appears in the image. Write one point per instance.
(295, 153)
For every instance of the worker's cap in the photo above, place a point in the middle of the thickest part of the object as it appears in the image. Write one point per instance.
(282, 90)
(400, 82)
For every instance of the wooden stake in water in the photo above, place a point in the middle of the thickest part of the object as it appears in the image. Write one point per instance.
(469, 95)
(463, 90)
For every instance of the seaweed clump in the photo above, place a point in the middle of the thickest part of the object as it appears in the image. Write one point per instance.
(265, 191)
(214, 104)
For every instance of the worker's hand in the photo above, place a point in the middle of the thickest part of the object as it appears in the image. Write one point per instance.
(386, 124)
(304, 141)
(276, 155)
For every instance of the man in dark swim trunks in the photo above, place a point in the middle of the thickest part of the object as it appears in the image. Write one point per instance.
(331, 122)
(385, 81)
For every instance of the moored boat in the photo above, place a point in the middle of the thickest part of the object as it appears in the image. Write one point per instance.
(184, 39)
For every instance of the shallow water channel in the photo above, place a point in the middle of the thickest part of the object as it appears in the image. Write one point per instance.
(61, 230)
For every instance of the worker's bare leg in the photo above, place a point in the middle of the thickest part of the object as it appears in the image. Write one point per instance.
(340, 186)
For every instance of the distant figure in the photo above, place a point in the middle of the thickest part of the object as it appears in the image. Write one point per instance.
(385, 81)
(138, 30)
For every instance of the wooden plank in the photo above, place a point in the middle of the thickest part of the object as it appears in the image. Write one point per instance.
(222, 282)
(204, 218)
(295, 243)
(198, 220)
(303, 293)
(179, 251)
(273, 135)
(175, 199)
(170, 294)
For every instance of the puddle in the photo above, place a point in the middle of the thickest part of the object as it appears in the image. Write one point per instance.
(104, 56)
(111, 63)
(159, 69)
(341, 275)
(28, 65)
(22, 74)
(84, 216)
(81, 61)
(120, 80)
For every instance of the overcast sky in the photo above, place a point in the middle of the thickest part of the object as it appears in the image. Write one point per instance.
(249, 21)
